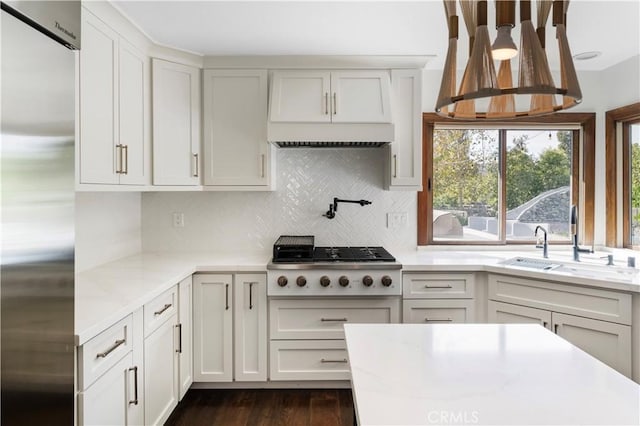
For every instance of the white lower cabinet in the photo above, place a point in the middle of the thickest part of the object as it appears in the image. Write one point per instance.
(110, 376)
(438, 311)
(185, 334)
(161, 369)
(230, 317)
(307, 335)
(309, 360)
(608, 341)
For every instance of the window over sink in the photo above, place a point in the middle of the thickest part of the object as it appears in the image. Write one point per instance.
(494, 184)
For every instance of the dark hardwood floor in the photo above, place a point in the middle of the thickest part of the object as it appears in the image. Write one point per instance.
(239, 407)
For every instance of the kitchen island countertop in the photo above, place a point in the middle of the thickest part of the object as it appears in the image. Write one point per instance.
(515, 374)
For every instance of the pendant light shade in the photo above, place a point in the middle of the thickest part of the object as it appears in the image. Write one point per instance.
(482, 94)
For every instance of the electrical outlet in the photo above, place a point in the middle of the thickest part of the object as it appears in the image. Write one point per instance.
(178, 220)
(396, 220)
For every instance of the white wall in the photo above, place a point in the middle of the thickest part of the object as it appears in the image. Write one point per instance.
(107, 227)
(307, 181)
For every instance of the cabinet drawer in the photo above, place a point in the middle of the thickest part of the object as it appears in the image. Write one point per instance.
(160, 309)
(102, 352)
(324, 318)
(437, 286)
(309, 360)
(569, 299)
(433, 311)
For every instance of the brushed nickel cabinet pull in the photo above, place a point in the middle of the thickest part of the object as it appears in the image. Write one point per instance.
(119, 159)
(179, 327)
(111, 349)
(330, 361)
(135, 385)
(226, 297)
(427, 319)
(251, 295)
(395, 166)
(437, 286)
(164, 308)
(125, 148)
(197, 172)
(262, 165)
(326, 103)
(335, 104)
(333, 319)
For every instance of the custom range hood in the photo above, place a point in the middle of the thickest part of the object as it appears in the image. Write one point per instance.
(355, 135)
(328, 109)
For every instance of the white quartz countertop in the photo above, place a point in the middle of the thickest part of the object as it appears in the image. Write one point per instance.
(515, 374)
(590, 271)
(108, 293)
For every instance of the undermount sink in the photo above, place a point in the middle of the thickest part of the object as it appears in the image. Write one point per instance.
(573, 268)
(536, 264)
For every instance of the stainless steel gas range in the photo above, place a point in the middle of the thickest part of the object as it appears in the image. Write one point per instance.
(300, 269)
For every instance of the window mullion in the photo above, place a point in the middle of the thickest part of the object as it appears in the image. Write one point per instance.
(502, 185)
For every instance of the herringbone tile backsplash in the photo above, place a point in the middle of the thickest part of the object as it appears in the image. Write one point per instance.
(307, 181)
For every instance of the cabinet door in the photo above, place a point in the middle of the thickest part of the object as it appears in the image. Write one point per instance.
(360, 97)
(406, 148)
(235, 128)
(506, 313)
(212, 328)
(160, 373)
(185, 322)
(250, 327)
(301, 96)
(98, 101)
(132, 123)
(176, 124)
(109, 399)
(434, 311)
(609, 342)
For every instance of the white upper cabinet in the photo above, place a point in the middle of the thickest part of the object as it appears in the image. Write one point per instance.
(307, 96)
(237, 155)
(360, 97)
(98, 101)
(405, 171)
(176, 124)
(114, 146)
(133, 67)
(301, 96)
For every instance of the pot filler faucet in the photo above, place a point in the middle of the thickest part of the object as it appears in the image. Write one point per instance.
(574, 235)
(333, 208)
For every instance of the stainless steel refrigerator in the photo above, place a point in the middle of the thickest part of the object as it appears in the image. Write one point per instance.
(37, 190)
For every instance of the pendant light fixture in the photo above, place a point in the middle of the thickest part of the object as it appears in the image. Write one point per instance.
(485, 95)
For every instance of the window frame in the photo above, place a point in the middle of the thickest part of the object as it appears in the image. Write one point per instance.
(583, 156)
(619, 165)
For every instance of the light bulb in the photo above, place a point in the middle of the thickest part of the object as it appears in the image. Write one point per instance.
(504, 48)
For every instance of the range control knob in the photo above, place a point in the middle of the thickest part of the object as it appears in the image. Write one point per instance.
(301, 281)
(386, 281)
(325, 281)
(282, 281)
(367, 280)
(344, 281)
